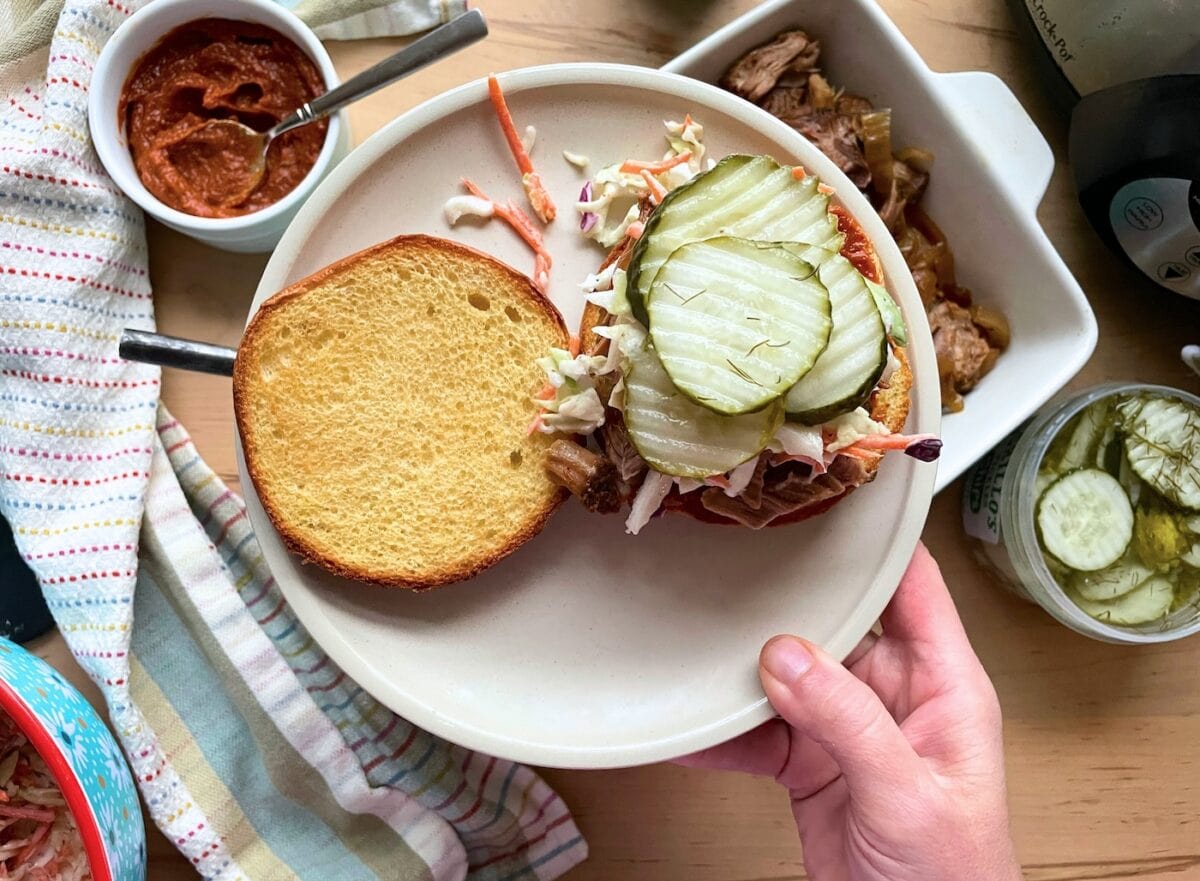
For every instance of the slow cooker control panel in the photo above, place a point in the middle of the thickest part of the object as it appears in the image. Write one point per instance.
(1157, 223)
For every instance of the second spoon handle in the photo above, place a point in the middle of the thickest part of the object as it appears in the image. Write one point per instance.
(172, 351)
(435, 45)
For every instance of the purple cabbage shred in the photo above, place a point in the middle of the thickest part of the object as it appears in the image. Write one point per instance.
(927, 450)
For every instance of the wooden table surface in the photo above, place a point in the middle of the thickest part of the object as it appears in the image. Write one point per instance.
(1103, 741)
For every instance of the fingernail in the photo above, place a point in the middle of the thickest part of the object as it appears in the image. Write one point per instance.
(786, 658)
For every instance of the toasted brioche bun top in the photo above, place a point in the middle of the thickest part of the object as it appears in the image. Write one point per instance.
(383, 404)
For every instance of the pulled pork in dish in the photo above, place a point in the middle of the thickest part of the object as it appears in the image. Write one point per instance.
(783, 77)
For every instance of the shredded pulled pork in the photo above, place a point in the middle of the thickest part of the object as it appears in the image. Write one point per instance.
(786, 489)
(961, 351)
(769, 487)
(757, 72)
(752, 495)
(619, 448)
(588, 476)
(835, 135)
(783, 77)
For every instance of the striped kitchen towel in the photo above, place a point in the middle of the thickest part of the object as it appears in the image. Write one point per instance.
(255, 754)
(335, 773)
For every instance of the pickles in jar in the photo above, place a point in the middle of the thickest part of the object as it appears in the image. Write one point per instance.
(1118, 512)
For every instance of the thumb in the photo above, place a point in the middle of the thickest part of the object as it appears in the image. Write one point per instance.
(823, 700)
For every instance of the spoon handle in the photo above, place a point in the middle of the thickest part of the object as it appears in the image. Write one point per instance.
(172, 351)
(435, 45)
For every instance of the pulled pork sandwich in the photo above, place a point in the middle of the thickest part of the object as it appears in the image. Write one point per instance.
(739, 359)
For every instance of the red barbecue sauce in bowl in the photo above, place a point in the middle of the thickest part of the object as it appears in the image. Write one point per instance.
(218, 68)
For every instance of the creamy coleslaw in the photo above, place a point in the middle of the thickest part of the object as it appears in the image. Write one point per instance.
(39, 840)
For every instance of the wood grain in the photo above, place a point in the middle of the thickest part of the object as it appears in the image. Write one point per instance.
(1103, 742)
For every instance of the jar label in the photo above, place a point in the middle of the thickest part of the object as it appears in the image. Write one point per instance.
(984, 486)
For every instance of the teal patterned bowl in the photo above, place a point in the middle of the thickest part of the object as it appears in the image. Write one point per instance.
(84, 758)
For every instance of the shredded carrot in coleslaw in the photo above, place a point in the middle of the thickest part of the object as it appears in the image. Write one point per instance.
(799, 173)
(657, 191)
(39, 840)
(635, 229)
(875, 445)
(857, 452)
(885, 442)
(535, 189)
(633, 166)
(525, 228)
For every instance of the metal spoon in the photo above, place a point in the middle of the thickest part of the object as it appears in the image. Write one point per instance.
(252, 146)
(173, 351)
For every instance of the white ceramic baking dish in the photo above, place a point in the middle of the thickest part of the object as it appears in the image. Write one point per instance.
(991, 170)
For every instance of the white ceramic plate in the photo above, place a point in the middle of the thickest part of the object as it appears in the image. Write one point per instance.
(991, 169)
(588, 647)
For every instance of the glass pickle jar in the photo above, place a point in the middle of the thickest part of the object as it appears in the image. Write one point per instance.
(999, 505)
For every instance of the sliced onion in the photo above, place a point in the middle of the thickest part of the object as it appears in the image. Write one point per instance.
(926, 282)
(958, 294)
(993, 324)
(877, 148)
(821, 95)
(952, 401)
(911, 243)
(989, 361)
(916, 157)
(943, 263)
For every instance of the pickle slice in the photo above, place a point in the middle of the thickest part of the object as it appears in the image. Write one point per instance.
(679, 437)
(893, 318)
(1145, 603)
(1085, 520)
(749, 197)
(1162, 440)
(1115, 581)
(737, 323)
(846, 372)
(1078, 447)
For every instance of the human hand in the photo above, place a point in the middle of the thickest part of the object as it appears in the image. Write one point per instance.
(894, 762)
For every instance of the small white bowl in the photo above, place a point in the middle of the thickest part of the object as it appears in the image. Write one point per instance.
(254, 232)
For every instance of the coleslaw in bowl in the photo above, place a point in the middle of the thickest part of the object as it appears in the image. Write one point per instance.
(38, 835)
